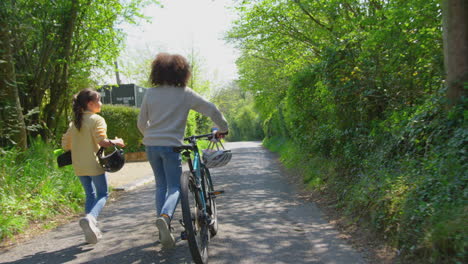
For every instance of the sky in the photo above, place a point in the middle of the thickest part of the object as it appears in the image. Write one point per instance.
(180, 26)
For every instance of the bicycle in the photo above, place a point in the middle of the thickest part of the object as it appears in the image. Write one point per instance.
(198, 201)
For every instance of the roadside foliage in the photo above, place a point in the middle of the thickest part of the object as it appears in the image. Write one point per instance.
(237, 105)
(352, 93)
(33, 190)
(55, 47)
(49, 50)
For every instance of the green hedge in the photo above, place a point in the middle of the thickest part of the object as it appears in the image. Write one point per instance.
(122, 122)
(410, 187)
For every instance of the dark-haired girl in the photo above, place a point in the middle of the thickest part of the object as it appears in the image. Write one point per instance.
(162, 121)
(86, 134)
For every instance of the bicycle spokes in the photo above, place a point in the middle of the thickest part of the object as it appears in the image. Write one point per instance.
(198, 202)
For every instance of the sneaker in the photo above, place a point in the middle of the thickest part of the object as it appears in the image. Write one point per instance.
(91, 232)
(99, 233)
(165, 235)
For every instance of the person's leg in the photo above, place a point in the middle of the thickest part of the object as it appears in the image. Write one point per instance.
(173, 167)
(89, 189)
(171, 164)
(102, 193)
(154, 158)
(88, 223)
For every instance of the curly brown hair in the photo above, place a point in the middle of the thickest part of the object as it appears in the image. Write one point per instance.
(170, 69)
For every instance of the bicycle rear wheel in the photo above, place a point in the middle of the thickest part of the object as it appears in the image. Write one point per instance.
(195, 222)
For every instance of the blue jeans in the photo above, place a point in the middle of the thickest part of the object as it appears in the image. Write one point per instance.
(167, 168)
(96, 191)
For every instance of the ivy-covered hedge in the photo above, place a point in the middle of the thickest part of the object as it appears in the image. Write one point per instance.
(406, 178)
(358, 102)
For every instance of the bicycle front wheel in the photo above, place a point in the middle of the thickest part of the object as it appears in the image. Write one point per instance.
(211, 203)
(195, 221)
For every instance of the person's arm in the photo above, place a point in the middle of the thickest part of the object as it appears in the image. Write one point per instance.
(207, 108)
(67, 139)
(142, 122)
(100, 135)
(107, 142)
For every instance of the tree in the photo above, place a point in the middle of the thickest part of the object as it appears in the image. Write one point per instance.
(238, 108)
(359, 84)
(59, 86)
(12, 127)
(455, 24)
(56, 46)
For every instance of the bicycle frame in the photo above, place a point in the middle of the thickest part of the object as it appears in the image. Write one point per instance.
(197, 201)
(196, 167)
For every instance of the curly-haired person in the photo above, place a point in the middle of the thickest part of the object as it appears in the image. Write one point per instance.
(162, 121)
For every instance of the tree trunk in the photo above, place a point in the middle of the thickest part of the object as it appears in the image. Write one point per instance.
(12, 127)
(455, 26)
(60, 86)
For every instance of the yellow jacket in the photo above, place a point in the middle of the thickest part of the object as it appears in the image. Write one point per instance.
(84, 144)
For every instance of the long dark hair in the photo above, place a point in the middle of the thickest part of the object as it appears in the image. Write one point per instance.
(170, 70)
(80, 104)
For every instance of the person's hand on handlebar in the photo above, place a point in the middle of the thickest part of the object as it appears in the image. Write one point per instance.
(218, 135)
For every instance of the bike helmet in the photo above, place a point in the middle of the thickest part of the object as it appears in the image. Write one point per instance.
(112, 162)
(214, 158)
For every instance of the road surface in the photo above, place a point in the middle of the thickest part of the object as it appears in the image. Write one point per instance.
(261, 220)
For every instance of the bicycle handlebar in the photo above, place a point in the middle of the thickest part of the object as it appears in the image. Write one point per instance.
(208, 136)
(191, 138)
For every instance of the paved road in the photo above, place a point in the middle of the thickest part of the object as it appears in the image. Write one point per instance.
(261, 221)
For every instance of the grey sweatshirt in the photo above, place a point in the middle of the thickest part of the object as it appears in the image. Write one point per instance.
(164, 111)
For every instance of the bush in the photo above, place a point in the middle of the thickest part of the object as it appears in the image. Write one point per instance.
(122, 122)
(32, 188)
(245, 125)
(238, 108)
(406, 178)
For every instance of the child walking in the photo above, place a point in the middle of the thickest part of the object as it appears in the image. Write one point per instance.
(85, 135)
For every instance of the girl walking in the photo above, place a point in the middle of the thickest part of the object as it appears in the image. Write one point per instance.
(85, 135)
(162, 122)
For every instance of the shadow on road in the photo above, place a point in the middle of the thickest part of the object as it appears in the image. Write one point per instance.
(263, 221)
(59, 256)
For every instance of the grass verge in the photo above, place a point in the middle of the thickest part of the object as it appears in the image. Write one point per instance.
(33, 189)
(417, 205)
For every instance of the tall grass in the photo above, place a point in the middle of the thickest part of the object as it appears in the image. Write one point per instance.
(33, 188)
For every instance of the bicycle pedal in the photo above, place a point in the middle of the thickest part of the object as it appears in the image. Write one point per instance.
(217, 192)
(211, 221)
(183, 235)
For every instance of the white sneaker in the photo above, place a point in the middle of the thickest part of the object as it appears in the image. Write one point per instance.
(165, 235)
(92, 219)
(91, 232)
